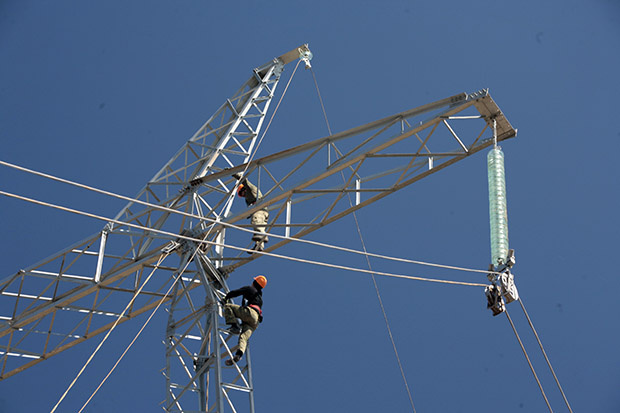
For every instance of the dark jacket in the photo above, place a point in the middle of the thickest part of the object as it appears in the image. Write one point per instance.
(251, 295)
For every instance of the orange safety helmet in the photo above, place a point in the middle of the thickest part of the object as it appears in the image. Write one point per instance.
(261, 280)
(241, 190)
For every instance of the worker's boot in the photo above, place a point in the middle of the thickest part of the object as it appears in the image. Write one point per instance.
(258, 246)
(235, 358)
(234, 329)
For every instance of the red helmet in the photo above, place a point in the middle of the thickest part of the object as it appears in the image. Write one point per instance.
(241, 190)
(261, 280)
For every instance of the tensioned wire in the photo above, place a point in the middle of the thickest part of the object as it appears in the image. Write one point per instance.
(229, 225)
(528, 359)
(271, 254)
(545, 354)
(359, 232)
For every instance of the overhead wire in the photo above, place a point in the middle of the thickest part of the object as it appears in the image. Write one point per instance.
(528, 360)
(359, 232)
(545, 355)
(233, 226)
(271, 254)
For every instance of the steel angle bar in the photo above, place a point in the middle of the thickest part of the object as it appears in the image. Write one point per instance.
(68, 345)
(78, 293)
(363, 143)
(445, 122)
(414, 155)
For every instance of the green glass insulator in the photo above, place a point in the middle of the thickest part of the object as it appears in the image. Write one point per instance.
(498, 211)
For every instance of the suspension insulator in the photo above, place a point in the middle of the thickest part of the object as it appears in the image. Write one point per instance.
(498, 211)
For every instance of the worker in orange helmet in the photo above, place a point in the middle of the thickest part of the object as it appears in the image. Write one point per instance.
(250, 313)
(259, 218)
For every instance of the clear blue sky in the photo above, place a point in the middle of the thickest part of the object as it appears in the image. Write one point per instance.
(105, 92)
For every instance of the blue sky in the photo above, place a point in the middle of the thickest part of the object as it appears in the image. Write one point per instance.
(105, 93)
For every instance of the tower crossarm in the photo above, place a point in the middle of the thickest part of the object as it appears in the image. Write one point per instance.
(314, 184)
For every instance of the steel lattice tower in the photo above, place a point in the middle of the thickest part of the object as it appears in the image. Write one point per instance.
(182, 228)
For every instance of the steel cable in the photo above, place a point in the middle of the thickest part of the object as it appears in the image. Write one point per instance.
(528, 360)
(270, 254)
(545, 354)
(228, 225)
(374, 281)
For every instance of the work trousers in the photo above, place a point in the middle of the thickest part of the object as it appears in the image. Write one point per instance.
(259, 223)
(249, 322)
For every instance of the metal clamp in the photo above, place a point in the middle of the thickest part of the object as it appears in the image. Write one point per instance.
(502, 289)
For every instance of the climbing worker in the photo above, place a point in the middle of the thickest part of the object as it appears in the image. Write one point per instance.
(259, 218)
(250, 313)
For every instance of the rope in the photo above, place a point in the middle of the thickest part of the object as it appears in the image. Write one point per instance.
(228, 225)
(387, 323)
(109, 332)
(528, 361)
(374, 281)
(329, 129)
(545, 354)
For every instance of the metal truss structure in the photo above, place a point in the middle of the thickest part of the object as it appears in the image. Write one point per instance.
(183, 236)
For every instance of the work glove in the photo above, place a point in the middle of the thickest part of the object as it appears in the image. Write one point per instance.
(236, 176)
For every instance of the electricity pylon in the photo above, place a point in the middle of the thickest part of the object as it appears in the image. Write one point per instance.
(182, 228)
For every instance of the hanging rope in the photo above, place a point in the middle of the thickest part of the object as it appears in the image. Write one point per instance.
(110, 331)
(374, 281)
(528, 360)
(545, 354)
(329, 129)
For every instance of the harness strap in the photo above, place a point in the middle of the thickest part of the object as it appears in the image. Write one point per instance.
(257, 308)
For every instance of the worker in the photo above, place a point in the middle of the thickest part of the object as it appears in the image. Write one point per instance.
(259, 218)
(250, 313)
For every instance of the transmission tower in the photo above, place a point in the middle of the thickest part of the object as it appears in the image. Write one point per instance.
(182, 228)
